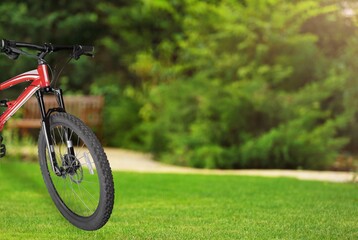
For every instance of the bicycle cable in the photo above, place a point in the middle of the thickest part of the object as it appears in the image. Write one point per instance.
(77, 51)
(22, 52)
(56, 76)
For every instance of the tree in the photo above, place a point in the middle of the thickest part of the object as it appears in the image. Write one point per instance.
(250, 86)
(60, 22)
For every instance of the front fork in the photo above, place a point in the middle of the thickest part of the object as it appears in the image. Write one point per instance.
(45, 116)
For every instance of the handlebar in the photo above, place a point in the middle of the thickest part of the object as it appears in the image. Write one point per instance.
(11, 49)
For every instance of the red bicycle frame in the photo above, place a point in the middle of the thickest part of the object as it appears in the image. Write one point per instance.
(39, 84)
(39, 78)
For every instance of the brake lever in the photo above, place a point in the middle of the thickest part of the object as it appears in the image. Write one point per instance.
(6, 48)
(11, 53)
(76, 54)
(81, 50)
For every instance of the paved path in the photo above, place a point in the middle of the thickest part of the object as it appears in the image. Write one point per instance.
(125, 160)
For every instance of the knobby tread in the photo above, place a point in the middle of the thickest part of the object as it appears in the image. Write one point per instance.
(105, 168)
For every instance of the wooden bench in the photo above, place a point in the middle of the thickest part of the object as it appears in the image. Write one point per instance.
(87, 108)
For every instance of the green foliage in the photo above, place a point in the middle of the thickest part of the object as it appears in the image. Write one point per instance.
(60, 22)
(228, 84)
(249, 87)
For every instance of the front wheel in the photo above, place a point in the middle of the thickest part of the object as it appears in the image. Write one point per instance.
(84, 193)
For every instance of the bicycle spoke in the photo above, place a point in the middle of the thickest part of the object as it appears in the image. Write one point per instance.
(78, 189)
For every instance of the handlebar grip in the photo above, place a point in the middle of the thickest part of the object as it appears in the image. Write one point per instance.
(82, 50)
(5, 44)
(6, 47)
(88, 50)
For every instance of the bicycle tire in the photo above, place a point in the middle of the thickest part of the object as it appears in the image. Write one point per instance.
(86, 201)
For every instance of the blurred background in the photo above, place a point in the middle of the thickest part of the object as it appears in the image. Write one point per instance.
(209, 84)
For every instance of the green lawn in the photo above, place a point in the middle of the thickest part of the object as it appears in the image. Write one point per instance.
(170, 206)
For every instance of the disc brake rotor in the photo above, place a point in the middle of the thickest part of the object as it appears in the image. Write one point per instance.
(72, 168)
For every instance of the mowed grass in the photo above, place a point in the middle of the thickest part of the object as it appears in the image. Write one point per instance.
(170, 206)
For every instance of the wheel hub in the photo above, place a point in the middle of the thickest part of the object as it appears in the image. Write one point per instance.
(72, 168)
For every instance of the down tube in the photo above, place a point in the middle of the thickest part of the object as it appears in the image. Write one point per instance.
(13, 106)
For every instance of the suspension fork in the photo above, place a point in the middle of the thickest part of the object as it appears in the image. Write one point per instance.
(45, 124)
(45, 116)
(61, 103)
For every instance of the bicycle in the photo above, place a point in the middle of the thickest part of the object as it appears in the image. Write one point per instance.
(73, 163)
